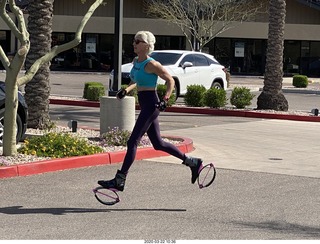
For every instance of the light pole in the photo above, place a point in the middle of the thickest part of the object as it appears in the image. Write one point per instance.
(118, 30)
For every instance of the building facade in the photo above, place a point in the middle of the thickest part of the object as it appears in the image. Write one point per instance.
(241, 48)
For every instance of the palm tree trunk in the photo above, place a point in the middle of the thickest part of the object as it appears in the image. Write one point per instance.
(37, 91)
(272, 96)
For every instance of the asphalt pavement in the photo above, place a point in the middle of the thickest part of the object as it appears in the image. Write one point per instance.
(267, 187)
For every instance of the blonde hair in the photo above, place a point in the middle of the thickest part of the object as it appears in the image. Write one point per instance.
(148, 38)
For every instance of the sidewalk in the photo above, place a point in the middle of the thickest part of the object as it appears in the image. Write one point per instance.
(271, 146)
(255, 83)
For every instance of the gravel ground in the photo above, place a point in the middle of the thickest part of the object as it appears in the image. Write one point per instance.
(93, 137)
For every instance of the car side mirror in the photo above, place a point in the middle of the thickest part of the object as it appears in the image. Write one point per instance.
(186, 65)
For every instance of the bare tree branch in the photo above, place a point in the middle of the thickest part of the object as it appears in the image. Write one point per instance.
(14, 66)
(61, 48)
(204, 19)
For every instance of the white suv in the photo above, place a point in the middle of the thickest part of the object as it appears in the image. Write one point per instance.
(186, 68)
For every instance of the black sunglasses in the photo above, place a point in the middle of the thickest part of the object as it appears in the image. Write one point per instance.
(136, 41)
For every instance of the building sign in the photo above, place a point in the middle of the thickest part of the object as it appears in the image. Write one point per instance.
(90, 47)
(91, 44)
(239, 49)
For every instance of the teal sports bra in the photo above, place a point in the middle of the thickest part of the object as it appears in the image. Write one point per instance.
(142, 78)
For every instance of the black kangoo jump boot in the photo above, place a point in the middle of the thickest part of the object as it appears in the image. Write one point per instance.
(195, 166)
(115, 184)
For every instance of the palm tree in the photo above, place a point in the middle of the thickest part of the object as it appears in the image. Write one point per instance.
(272, 96)
(37, 91)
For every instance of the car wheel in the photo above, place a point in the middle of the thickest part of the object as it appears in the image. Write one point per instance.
(18, 124)
(216, 85)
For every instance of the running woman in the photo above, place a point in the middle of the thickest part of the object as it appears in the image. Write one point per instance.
(144, 76)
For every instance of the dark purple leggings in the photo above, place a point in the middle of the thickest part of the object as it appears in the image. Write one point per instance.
(147, 122)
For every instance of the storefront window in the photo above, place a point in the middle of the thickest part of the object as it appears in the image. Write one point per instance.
(314, 64)
(248, 56)
(5, 44)
(68, 59)
(305, 57)
(95, 53)
(222, 51)
(291, 57)
(255, 57)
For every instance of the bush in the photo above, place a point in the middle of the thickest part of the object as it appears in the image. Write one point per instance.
(89, 84)
(300, 81)
(58, 145)
(95, 92)
(194, 95)
(241, 97)
(161, 90)
(215, 98)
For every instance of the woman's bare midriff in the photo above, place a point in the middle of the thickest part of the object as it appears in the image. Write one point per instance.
(146, 89)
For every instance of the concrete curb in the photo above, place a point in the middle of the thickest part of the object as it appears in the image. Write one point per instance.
(208, 111)
(186, 145)
(243, 113)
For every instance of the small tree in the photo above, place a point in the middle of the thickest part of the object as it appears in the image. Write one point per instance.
(13, 67)
(203, 20)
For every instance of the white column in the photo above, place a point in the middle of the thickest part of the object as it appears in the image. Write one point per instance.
(117, 113)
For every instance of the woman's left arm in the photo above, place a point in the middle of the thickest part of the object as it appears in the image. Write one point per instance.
(156, 68)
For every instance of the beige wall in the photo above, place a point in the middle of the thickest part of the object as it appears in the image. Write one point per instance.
(132, 8)
(302, 22)
(260, 31)
(63, 23)
(298, 13)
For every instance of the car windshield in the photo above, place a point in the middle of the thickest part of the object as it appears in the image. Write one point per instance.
(166, 58)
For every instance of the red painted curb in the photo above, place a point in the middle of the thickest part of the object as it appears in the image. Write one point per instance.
(185, 146)
(251, 114)
(8, 171)
(75, 103)
(243, 113)
(208, 111)
(62, 164)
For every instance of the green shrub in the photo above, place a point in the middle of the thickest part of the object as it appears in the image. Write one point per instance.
(87, 85)
(194, 95)
(58, 145)
(241, 97)
(215, 98)
(95, 92)
(300, 81)
(161, 90)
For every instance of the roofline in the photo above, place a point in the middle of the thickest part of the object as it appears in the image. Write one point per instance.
(310, 3)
